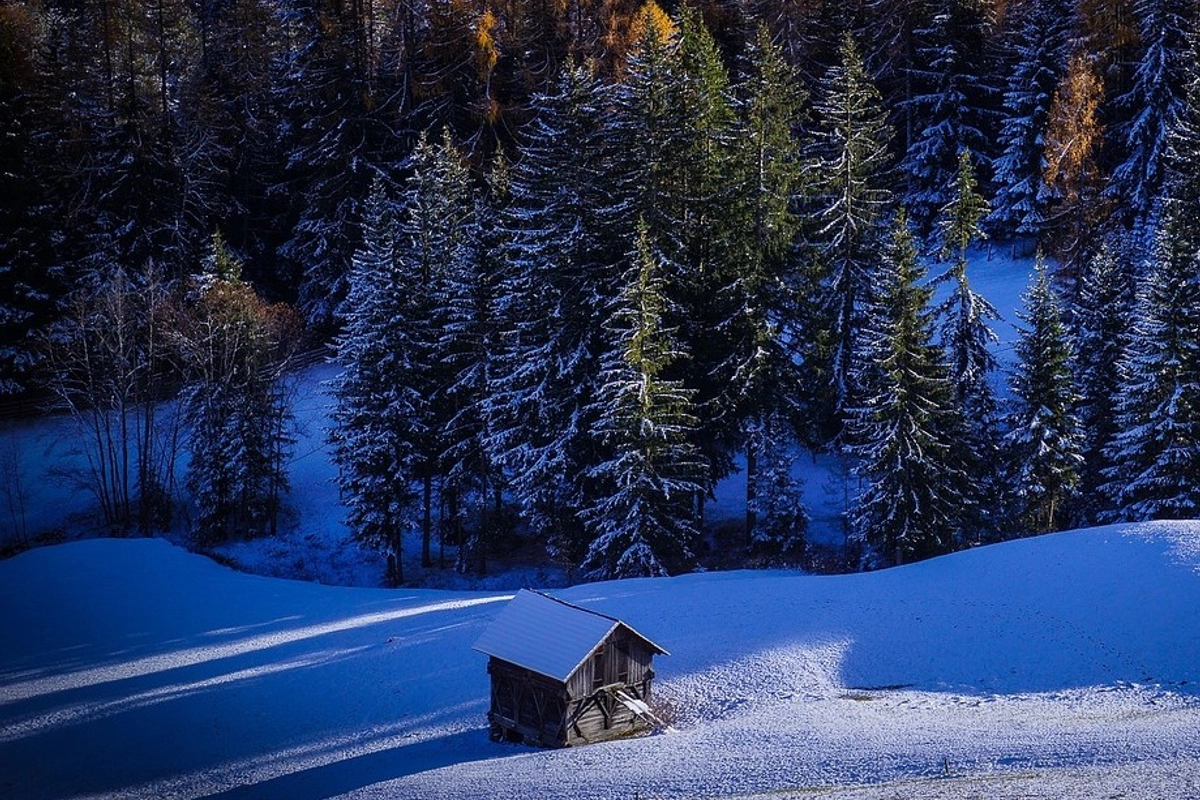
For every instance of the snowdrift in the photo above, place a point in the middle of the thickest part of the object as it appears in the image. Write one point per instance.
(132, 668)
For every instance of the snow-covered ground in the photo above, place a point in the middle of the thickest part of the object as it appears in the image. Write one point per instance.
(1063, 666)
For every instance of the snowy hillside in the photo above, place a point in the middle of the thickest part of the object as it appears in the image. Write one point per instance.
(132, 668)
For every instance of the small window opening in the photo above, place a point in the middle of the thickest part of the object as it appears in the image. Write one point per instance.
(598, 669)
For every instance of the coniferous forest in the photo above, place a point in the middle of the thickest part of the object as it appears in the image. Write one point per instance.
(577, 261)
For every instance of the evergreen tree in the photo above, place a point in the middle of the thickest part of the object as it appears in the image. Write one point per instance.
(1102, 318)
(471, 330)
(1155, 472)
(968, 338)
(776, 505)
(676, 121)
(757, 295)
(339, 128)
(567, 222)
(1041, 37)
(912, 501)
(641, 519)
(1154, 101)
(1181, 187)
(434, 225)
(402, 397)
(948, 107)
(852, 200)
(1044, 439)
(653, 126)
(377, 409)
(960, 218)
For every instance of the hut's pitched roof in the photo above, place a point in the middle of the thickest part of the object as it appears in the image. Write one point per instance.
(548, 636)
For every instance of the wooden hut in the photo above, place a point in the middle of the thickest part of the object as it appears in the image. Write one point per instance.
(563, 675)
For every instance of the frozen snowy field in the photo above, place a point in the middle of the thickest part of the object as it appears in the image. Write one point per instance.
(1066, 666)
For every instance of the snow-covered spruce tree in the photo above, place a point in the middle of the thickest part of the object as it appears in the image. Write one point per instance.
(1044, 440)
(236, 351)
(435, 223)
(569, 244)
(675, 122)
(1039, 52)
(851, 204)
(912, 501)
(775, 508)
(967, 338)
(396, 385)
(641, 517)
(1155, 455)
(1181, 195)
(473, 481)
(960, 218)
(760, 316)
(338, 130)
(1101, 318)
(376, 410)
(948, 109)
(1154, 102)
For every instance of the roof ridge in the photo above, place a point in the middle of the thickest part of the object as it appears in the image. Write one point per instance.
(569, 604)
(553, 641)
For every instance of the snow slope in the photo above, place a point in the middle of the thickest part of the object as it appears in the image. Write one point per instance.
(131, 668)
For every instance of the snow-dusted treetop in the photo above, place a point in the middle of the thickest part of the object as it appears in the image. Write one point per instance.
(548, 636)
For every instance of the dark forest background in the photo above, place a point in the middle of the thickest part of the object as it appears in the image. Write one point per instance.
(724, 207)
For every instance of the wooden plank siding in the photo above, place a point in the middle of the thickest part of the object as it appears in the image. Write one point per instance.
(529, 707)
(526, 706)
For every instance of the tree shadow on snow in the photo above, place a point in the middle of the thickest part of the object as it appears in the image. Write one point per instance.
(361, 771)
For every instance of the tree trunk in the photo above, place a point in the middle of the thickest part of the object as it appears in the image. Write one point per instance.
(427, 522)
(751, 489)
(395, 559)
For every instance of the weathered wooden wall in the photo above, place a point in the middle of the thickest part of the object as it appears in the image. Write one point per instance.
(531, 707)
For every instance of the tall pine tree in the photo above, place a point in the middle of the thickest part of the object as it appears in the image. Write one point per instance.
(641, 516)
(949, 106)
(968, 338)
(912, 502)
(1044, 439)
(758, 294)
(474, 481)
(569, 230)
(851, 205)
(1101, 320)
(1154, 102)
(434, 239)
(377, 409)
(1155, 457)
(1041, 34)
